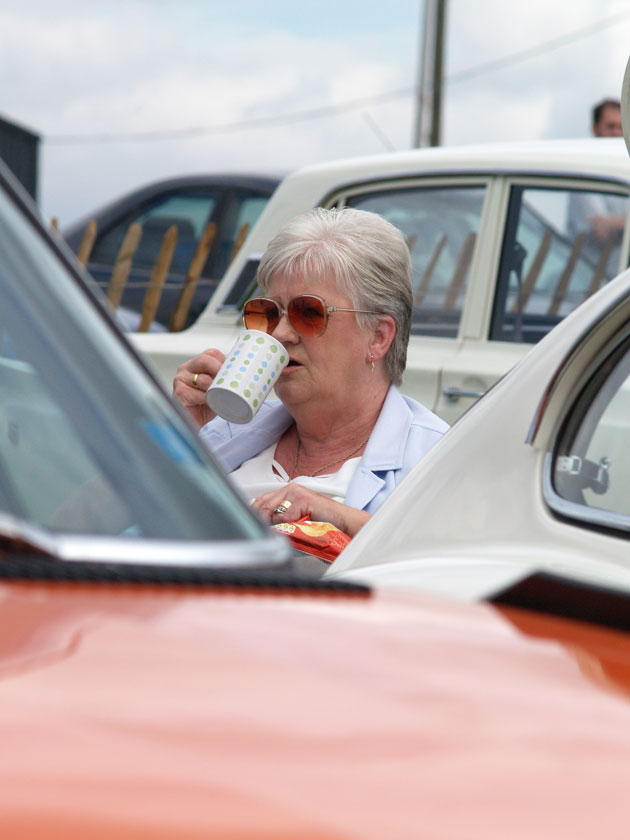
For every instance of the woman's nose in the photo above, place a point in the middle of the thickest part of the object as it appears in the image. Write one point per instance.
(284, 332)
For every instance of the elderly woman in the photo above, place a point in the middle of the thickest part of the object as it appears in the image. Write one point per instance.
(337, 286)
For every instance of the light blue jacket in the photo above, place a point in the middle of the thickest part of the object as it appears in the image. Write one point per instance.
(404, 432)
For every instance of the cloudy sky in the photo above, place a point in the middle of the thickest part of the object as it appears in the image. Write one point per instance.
(123, 92)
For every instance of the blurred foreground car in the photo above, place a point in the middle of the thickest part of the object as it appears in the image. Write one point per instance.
(177, 691)
(95, 460)
(503, 244)
(233, 708)
(233, 202)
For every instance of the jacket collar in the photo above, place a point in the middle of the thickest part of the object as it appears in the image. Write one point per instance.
(386, 446)
(384, 451)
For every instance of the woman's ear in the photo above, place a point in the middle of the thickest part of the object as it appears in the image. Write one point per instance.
(382, 336)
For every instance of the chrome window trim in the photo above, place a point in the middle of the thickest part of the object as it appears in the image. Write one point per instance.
(229, 554)
(616, 308)
(580, 514)
(424, 180)
(386, 180)
(270, 550)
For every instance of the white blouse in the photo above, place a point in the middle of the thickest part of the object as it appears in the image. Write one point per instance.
(263, 473)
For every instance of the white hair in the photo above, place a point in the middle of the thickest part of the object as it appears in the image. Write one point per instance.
(367, 257)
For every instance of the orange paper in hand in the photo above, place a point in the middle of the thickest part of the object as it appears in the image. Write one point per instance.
(320, 539)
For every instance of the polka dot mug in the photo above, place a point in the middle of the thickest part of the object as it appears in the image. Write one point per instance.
(247, 377)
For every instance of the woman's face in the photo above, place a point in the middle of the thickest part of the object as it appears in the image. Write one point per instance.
(326, 371)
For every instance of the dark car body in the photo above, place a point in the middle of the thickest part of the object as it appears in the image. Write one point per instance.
(191, 202)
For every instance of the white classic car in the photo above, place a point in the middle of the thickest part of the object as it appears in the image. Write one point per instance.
(533, 478)
(505, 241)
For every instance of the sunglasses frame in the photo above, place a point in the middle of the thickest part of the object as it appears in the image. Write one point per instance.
(282, 312)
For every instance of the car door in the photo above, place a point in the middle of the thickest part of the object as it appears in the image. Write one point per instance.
(441, 218)
(547, 257)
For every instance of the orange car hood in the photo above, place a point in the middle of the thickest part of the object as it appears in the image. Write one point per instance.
(135, 712)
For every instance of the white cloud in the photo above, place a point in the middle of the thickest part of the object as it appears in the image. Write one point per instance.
(74, 68)
(547, 95)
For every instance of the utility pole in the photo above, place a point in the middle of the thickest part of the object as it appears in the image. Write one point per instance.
(429, 96)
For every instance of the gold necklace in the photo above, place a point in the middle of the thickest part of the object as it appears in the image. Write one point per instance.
(325, 467)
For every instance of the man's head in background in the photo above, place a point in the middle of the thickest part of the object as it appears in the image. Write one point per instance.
(607, 119)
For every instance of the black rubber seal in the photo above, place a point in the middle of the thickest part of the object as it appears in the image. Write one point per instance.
(552, 594)
(34, 568)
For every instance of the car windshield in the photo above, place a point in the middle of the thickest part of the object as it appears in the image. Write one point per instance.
(89, 444)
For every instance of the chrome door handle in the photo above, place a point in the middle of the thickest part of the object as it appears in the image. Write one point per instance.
(454, 393)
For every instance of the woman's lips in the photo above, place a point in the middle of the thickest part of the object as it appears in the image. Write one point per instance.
(292, 365)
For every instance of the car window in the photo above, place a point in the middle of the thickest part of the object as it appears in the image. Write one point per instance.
(88, 442)
(591, 467)
(190, 212)
(233, 210)
(561, 245)
(441, 224)
(242, 210)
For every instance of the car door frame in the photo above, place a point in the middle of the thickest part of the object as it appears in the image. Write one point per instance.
(427, 355)
(481, 361)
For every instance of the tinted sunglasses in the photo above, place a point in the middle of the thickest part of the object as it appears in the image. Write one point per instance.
(307, 314)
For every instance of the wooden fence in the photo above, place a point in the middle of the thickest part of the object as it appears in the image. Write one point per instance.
(154, 287)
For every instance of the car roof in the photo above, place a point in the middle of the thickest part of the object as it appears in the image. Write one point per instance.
(264, 182)
(603, 157)
(591, 151)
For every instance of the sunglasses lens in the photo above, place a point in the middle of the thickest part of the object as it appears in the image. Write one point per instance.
(307, 315)
(261, 314)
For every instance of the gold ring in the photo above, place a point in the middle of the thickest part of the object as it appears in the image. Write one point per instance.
(283, 507)
(195, 378)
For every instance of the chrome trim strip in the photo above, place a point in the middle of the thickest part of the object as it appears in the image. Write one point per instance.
(618, 302)
(240, 554)
(477, 174)
(271, 550)
(580, 514)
